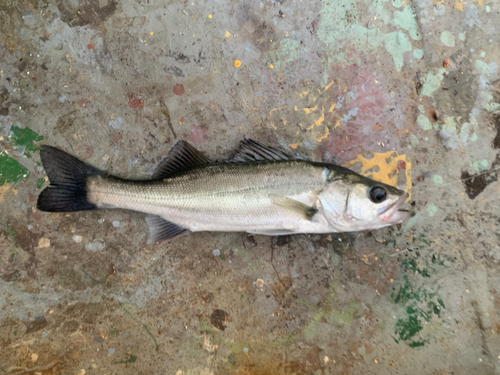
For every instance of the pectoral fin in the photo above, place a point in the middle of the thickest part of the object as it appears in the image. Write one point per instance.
(305, 211)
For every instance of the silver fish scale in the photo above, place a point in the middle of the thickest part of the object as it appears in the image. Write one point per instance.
(221, 197)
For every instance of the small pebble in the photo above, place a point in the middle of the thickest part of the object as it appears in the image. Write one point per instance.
(216, 252)
(30, 227)
(77, 238)
(100, 221)
(111, 351)
(245, 350)
(116, 223)
(43, 242)
(44, 334)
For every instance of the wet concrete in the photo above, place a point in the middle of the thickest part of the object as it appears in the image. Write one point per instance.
(406, 92)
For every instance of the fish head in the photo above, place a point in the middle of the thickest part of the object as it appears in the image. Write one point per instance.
(353, 202)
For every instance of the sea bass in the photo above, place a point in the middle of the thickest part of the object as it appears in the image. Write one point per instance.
(261, 191)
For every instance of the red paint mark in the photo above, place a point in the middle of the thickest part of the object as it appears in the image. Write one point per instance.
(198, 134)
(402, 165)
(314, 26)
(135, 101)
(37, 215)
(34, 78)
(178, 89)
(90, 46)
(446, 63)
(82, 103)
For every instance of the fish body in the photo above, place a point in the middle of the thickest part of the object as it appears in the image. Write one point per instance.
(262, 190)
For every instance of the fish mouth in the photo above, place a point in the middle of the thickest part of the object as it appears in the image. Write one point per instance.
(393, 214)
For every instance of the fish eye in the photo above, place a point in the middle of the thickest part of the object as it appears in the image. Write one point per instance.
(377, 194)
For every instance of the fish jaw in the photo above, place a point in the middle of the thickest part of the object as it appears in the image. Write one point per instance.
(393, 214)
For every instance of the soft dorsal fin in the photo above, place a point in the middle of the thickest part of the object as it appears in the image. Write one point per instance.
(252, 151)
(181, 158)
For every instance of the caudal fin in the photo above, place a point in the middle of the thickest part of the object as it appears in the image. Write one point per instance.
(68, 182)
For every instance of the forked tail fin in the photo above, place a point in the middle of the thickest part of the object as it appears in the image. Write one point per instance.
(68, 182)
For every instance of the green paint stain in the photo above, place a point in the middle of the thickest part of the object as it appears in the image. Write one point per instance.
(11, 170)
(411, 265)
(448, 39)
(492, 107)
(432, 81)
(420, 305)
(397, 3)
(431, 209)
(482, 67)
(285, 54)
(40, 182)
(397, 44)
(129, 358)
(418, 53)
(487, 8)
(421, 108)
(483, 54)
(339, 21)
(25, 138)
(407, 328)
(413, 140)
(461, 36)
(406, 20)
(10, 234)
(438, 180)
(481, 165)
(424, 122)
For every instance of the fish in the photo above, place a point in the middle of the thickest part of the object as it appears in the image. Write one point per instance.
(261, 190)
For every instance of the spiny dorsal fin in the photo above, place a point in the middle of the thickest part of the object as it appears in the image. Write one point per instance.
(161, 230)
(181, 158)
(252, 151)
(305, 211)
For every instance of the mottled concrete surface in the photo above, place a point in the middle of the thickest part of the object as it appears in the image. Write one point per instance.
(404, 91)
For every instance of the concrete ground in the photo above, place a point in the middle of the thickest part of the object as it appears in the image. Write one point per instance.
(406, 92)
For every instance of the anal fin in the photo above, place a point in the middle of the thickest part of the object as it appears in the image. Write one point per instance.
(307, 212)
(161, 230)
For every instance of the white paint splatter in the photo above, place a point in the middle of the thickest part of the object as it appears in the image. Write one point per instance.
(95, 246)
(116, 223)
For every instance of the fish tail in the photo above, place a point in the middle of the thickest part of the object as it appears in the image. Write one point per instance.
(68, 182)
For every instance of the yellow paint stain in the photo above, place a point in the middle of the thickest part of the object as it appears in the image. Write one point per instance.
(325, 134)
(209, 16)
(319, 121)
(334, 105)
(387, 163)
(310, 127)
(237, 63)
(306, 110)
(328, 86)
(271, 66)
(227, 34)
(337, 124)
(459, 5)
(294, 145)
(304, 93)
(277, 109)
(273, 126)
